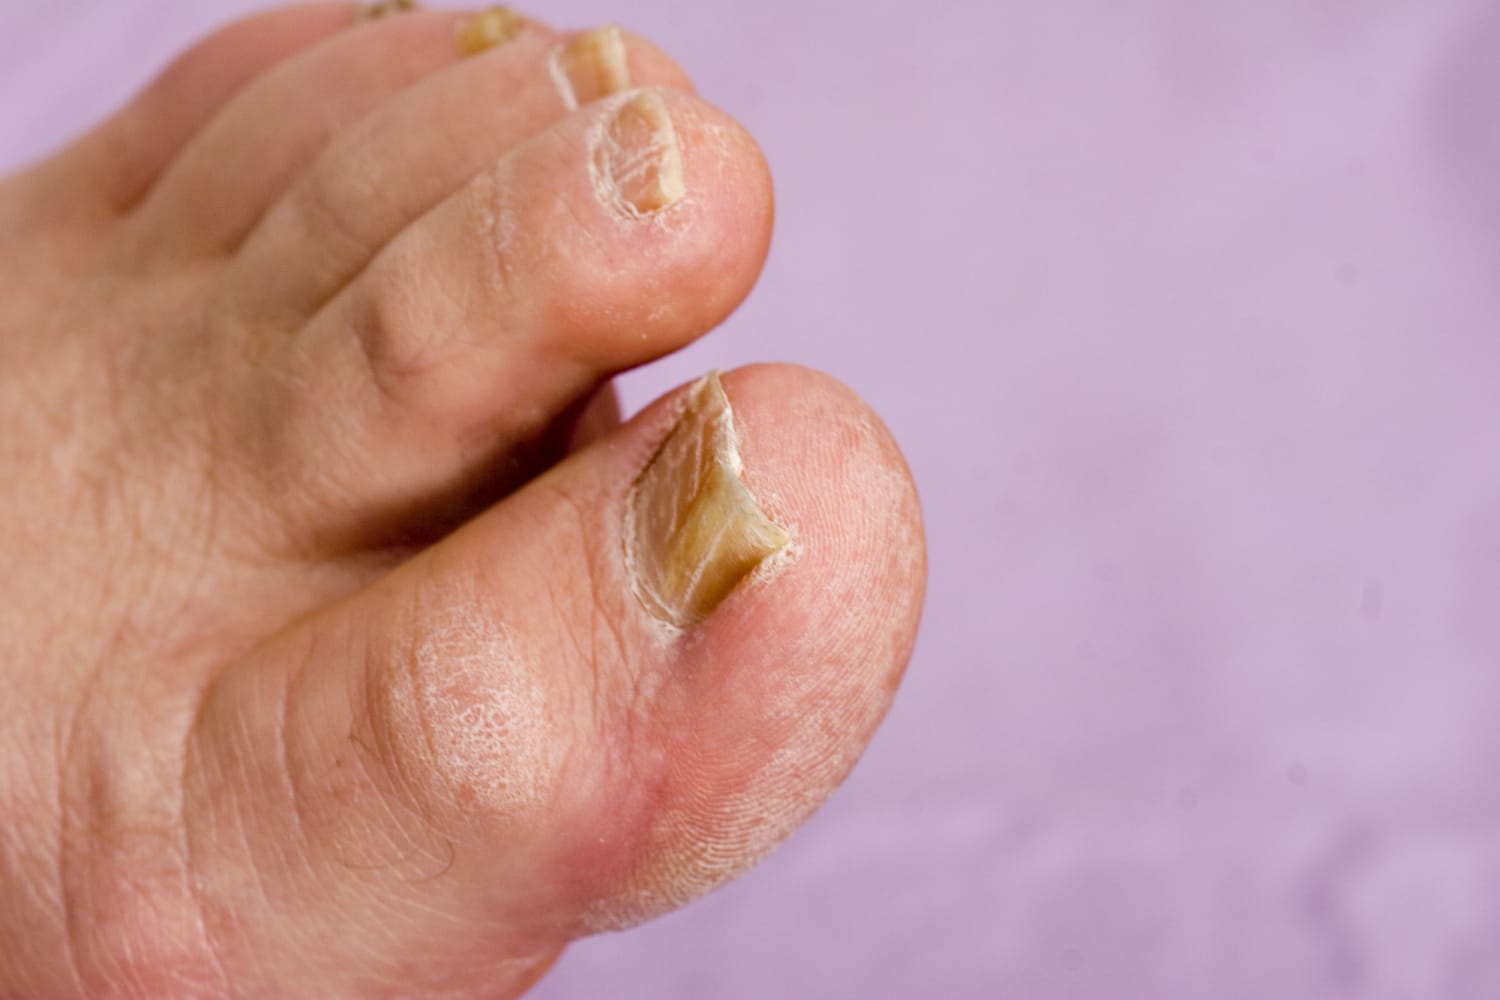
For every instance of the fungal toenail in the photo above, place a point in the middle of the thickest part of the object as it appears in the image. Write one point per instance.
(692, 529)
(637, 163)
(486, 30)
(384, 8)
(591, 66)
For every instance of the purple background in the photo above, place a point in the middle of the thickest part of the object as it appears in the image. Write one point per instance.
(1188, 316)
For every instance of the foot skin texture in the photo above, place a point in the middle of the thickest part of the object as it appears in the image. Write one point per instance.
(350, 645)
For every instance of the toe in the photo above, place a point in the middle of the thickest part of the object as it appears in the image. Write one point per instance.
(507, 743)
(237, 165)
(389, 168)
(628, 229)
(118, 162)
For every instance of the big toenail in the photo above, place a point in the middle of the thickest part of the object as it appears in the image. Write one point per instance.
(487, 30)
(384, 8)
(637, 164)
(692, 529)
(591, 66)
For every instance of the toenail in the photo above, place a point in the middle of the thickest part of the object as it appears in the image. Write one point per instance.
(591, 66)
(384, 8)
(487, 30)
(637, 164)
(692, 529)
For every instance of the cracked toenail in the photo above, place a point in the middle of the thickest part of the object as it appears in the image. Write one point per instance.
(692, 529)
(488, 29)
(637, 163)
(384, 8)
(591, 66)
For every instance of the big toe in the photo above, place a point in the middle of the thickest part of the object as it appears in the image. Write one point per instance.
(607, 695)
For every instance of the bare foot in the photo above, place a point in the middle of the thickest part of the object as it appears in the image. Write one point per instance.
(339, 656)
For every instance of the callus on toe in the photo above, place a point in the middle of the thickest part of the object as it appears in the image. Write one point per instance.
(693, 531)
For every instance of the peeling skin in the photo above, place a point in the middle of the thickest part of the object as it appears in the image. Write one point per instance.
(693, 531)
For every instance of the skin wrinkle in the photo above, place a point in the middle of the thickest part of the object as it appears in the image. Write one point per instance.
(283, 757)
(386, 762)
(71, 924)
(191, 879)
(74, 839)
(408, 852)
(115, 835)
(198, 893)
(496, 217)
(313, 202)
(601, 621)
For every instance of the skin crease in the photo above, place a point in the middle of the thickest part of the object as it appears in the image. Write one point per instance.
(323, 673)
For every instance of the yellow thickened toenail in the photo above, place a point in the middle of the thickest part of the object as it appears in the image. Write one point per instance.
(375, 11)
(487, 30)
(692, 529)
(591, 66)
(637, 163)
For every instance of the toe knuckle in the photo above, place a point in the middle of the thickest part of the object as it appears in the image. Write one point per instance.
(396, 329)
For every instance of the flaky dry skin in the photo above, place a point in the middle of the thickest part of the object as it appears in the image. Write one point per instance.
(693, 530)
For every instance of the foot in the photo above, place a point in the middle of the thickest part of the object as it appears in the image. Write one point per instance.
(350, 645)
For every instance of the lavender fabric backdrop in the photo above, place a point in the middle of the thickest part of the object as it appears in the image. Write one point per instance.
(1187, 314)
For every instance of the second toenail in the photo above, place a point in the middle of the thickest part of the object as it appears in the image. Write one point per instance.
(487, 30)
(384, 8)
(692, 529)
(591, 66)
(637, 164)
